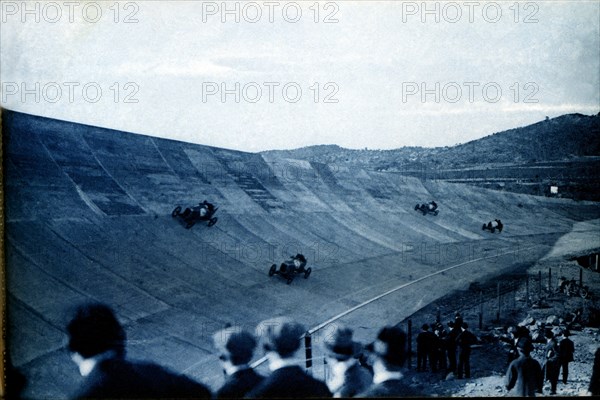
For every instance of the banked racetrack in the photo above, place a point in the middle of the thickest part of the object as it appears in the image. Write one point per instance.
(88, 218)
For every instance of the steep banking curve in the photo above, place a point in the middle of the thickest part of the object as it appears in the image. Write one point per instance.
(88, 218)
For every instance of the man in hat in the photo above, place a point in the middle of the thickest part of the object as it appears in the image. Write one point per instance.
(389, 353)
(451, 346)
(566, 349)
(236, 348)
(280, 338)
(426, 341)
(524, 374)
(440, 346)
(348, 378)
(97, 346)
(464, 341)
(551, 365)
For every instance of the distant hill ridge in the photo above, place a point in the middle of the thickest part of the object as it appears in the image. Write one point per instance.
(567, 137)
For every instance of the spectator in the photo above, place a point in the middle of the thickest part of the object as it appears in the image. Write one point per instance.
(97, 346)
(425, 348)
(236, 348)
(464, 341)
(280, 339)
(348, 378)
(458, 320)
(551, 365)
(594, 387)
(455, 330)
(524, 373)
(439, 355)
(389, 353)
(515, 335)
(566, 349)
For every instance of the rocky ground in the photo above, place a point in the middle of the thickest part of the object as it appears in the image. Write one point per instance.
(490, 361)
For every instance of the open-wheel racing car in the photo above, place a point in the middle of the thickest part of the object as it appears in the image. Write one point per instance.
(288, 269)
(204, 211)
(493, 225)
(430, 207)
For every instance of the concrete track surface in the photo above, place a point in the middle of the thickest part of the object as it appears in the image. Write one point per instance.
(88, 217)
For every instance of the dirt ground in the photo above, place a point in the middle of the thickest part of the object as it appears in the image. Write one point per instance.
(490, 361)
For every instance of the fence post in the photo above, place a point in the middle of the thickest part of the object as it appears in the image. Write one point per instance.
(498, 311)
(480, 310)
(514, 295)
(527, 290)
(308, 350)
(596, 261)
(409, 334)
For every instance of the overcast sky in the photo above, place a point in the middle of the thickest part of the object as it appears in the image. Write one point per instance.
(358, 74)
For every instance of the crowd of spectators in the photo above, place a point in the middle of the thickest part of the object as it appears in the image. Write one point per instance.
(97, 346)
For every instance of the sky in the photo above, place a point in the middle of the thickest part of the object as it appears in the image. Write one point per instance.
(264, 75)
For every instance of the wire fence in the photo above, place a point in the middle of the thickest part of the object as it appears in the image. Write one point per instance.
(493, 304)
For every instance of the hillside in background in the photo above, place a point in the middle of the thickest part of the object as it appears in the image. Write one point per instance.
(562, 152)
(88, 217)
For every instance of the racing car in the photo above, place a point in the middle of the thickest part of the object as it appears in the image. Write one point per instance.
(571, 288)
(204, 211)
(288, 269)
(431, 207)
(493, 225)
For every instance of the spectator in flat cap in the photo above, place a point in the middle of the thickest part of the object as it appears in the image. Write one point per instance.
(236, 348)
(280, 338)
(97, 346)
(389, 353)
(524, 374)
(347, 377)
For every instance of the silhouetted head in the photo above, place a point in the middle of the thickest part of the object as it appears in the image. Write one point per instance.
(94, 329)
(524, 345)
(521, 331)
(390, 347)
(235, 345)
(340, 345)
(280, 335)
